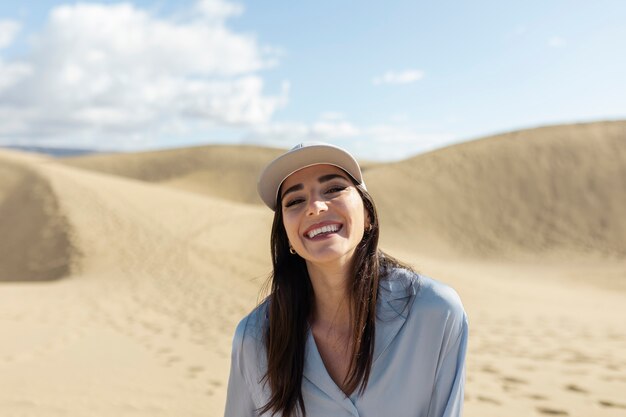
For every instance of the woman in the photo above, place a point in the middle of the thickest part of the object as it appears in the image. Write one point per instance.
(346, 330)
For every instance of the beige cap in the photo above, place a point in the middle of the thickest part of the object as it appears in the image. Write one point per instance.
(301, 156)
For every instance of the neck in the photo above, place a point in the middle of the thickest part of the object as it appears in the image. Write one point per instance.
(331, 296)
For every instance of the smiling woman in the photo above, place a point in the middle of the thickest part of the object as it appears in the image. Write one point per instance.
(333, 236)
(346, 329)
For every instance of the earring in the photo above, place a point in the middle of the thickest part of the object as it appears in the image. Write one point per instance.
(292, 250)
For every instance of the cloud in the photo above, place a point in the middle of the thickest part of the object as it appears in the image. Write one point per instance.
(287, 134)
(556, 42)
(333, 129)
(218, 9)
(382, 142)
(401, 77)
(11, 74)
(393, 142)
(8, 30)
(115, 71)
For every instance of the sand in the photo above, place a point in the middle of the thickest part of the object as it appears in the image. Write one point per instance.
(122, 276)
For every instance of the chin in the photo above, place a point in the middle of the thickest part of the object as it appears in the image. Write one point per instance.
(328, 256)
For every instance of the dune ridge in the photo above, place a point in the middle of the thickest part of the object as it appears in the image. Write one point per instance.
(36, 240)
(537, 193)
(162, 278)
(231, 170)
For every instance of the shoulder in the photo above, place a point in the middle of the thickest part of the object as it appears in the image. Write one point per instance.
(248, 350)
(251, 329)
(428, 295)
(440, 305)
(439, 295)
(248, 361)
(248, 357)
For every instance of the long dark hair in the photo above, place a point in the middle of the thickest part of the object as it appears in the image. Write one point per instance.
(290, 304)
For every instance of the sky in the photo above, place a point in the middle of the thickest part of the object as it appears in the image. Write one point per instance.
(386, 80)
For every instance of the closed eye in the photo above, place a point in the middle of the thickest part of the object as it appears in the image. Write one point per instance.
(336, 189)
(331, 190)
(294, 202)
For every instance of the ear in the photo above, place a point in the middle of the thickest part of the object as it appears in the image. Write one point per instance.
(368, 221)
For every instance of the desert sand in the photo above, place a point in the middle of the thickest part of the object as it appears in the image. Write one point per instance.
(123, 276)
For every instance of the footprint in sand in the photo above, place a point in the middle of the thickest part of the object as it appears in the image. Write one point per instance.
(489, 369)
(511, 383)
(611, 404)
(215, 383)
(488, 400)
(552, 411)
(193, 371)
(576, 388)
(513, 380)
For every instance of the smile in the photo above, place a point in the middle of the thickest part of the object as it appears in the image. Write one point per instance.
(327, 229)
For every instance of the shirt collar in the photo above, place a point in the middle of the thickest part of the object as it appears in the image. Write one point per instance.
(393, 306)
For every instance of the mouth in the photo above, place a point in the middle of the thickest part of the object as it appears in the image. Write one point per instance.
(320, 231)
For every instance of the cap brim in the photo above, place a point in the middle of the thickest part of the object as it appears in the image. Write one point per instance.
(280, 168)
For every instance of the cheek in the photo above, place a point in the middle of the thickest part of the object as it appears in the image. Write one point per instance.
(290, 226)
(358, 212)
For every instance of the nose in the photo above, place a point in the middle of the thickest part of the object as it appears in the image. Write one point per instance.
(316, 206)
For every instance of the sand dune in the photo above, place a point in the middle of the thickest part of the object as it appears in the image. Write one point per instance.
(228, 172)
(535, 194)
(35, 242)
(146, 280)
(546, 192)
(162, 278)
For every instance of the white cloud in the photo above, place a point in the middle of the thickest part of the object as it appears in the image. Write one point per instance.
(332, 130)
(375, 142)
(8, 30)
(12, 73)
(401, 77)
(218, 9)
(556, 42)
(286, 134)
(392, 142)
(106, 71)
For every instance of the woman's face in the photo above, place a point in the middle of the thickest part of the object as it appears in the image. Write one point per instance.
(323, 214)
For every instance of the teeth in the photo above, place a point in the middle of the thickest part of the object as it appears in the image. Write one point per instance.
(323, 229)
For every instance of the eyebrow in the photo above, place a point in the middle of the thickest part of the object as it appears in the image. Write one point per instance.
(322, 179)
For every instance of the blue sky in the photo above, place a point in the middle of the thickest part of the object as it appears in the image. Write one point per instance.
(384, 79)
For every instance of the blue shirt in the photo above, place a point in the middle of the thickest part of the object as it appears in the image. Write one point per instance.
(419, 358)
